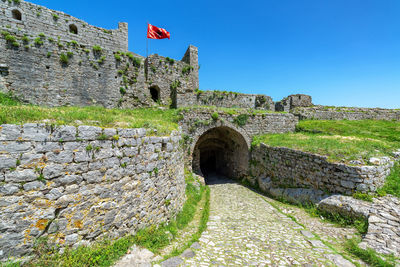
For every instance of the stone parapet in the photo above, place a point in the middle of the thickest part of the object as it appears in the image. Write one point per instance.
(284, 167)
(75, 185)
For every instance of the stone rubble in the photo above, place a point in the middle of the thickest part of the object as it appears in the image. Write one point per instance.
(383, 216)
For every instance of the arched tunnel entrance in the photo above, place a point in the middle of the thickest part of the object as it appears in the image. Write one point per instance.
(221, 151)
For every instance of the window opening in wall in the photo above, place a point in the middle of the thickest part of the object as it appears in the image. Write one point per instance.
(155, 94)
(16, 14)
(73, 29)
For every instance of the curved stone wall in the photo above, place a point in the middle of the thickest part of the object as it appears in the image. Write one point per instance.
(288, 168)
(74, 185)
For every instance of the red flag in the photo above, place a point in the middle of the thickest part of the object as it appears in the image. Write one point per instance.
(154, 32)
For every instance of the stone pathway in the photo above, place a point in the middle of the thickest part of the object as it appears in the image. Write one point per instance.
(244, 229)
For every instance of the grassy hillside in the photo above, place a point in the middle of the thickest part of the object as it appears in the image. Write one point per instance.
(340, 141)
(13, 112)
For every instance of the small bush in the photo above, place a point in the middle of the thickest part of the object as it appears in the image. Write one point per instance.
(70, 54)
(41, 35)
(74, 43)
(170, 60)
(136, 61)
(48, 54)
(64, 58)
(10, 38)
(101, 60)
(122, 90)
(55, 16)
(38, 41)
(186, 69)
(215, 116)
(25, 39)
(97, 49)
(51, 40)
(241, 120)
(117, 57)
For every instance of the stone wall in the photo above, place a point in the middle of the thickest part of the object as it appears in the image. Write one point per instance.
(38, 19)
(293, 101)
(345, 113)
(34, 73)
(232, 131)
(383, 234)
(284, 167)
(172, 78)
(43, 63)
(74, 185)
(226, 99)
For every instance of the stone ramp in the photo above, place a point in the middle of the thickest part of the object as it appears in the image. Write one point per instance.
(244, 229)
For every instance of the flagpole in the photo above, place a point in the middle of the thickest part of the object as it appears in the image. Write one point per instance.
(147, 41)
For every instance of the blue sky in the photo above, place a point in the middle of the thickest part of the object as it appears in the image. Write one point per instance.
(342, 52)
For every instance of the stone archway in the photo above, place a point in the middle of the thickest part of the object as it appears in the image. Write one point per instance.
(221, 150)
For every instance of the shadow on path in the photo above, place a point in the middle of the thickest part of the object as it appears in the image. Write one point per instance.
(213, 178)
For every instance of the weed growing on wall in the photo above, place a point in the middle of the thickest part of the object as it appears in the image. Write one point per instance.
(241, 120)
(64, 59)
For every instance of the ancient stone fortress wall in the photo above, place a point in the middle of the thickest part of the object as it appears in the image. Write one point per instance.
(171, 79)
(45, 62)
(227, 99)
(33, 19)
(293, 101)
(74, 185)
(345, 113)
(227, 136)
(284, 167)
(35, 73)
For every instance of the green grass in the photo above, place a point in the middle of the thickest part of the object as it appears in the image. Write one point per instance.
(13, 112)
(340, 140)
(369, 256)
(107, 252)
(392, 183)
(360, 224)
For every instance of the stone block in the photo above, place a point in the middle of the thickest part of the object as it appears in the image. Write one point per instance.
(93, 177)
(110, 132)
(64, 133)
(18, 176)
(127, 133)
(68, 179)
(9, 189)
(15, 147)
(7, 162)
(83, 156)
(54, 194)
(35, 132)
(89, 132)
(61, 157)
(10, 132)
(35, 185)
(44, 147)
(53, 170)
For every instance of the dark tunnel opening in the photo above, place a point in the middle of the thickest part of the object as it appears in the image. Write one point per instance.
(220, 153)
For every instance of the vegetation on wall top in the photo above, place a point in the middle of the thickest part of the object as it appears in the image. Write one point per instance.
(341, 141)
(13, 111)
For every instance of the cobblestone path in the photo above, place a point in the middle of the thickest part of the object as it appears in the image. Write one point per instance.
(244, 229)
